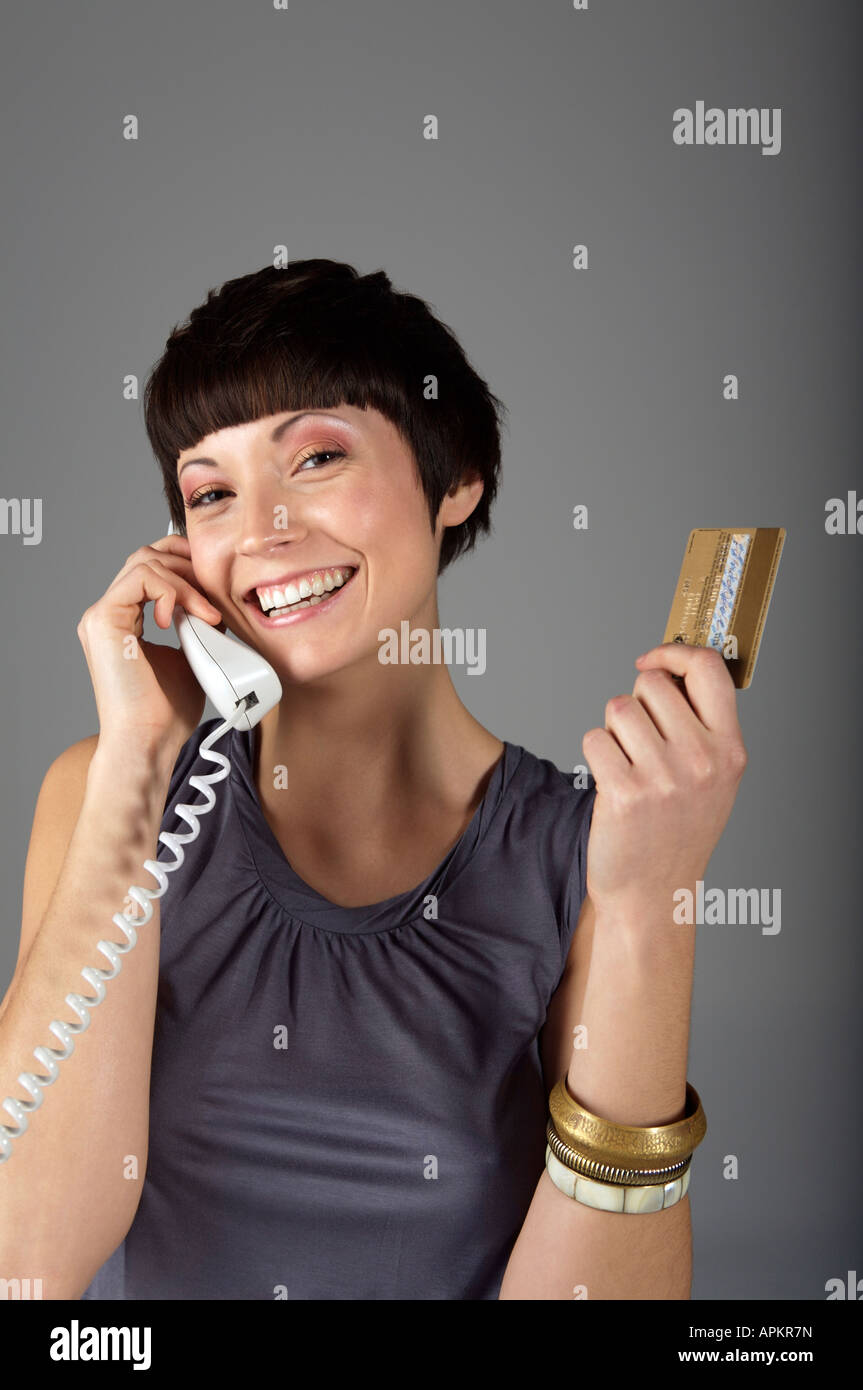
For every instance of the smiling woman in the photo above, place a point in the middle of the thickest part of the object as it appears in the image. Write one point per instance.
(344, 1093)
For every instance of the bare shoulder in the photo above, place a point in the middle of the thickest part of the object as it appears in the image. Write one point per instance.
(62, 792)
(61, 795)
(70, 765)
(58, 807)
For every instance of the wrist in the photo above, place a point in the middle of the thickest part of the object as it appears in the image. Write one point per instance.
(128, 755)
(653, 914)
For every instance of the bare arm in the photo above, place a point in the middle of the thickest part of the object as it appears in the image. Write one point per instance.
(71, 1186)
(633, 1071)
(66, 1197)
(667, 768)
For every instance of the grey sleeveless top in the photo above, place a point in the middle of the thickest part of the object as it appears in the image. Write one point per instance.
(348, 1102)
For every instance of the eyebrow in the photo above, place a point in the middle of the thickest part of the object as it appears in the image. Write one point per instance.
(274, 437)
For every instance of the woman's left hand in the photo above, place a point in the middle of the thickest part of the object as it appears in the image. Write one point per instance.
(667, 770)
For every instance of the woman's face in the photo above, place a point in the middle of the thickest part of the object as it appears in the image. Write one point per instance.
(285, 496)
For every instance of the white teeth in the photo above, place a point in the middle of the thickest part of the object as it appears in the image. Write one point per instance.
(292, 608)
(290, 595)
(289, 600)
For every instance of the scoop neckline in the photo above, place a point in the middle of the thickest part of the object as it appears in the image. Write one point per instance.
(303, 902)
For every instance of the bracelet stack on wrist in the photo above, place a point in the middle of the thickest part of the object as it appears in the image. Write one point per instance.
(626, 1168)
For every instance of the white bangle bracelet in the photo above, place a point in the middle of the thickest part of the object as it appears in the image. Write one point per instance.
(607, 1196)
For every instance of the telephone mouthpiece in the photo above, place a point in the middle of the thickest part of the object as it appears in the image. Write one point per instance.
(232, 674)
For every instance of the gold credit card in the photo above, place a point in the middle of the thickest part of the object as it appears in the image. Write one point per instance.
(723, 593)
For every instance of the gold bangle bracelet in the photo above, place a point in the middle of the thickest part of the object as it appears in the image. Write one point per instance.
(647, 1147)
(604, 1172)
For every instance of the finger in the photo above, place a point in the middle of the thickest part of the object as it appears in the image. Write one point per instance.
(607, 761)
(168, 545)
(121, 606)
(178, 564)
(172, 542)
(630, 723)
(188, 595)
(664, 697)
(136, 586)
(707, 681)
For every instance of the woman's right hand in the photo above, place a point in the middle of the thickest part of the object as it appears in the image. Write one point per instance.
(146, 693)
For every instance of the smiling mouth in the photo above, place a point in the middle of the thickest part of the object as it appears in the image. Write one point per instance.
(269, 609)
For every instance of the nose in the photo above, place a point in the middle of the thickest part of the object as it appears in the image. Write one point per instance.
(270, 517)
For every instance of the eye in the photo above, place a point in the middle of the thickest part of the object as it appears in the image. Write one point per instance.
(197, 497)
(328, 454)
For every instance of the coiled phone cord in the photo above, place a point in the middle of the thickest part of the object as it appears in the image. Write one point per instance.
(94, 975)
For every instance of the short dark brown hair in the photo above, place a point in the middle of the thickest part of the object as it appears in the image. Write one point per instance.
(317, 335)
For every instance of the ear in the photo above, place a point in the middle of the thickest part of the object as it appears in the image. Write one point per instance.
(460, 501)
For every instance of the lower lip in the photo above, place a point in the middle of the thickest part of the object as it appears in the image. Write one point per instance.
(326, 605)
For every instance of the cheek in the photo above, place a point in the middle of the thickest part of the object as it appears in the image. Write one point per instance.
(211, 574)
(388, 518)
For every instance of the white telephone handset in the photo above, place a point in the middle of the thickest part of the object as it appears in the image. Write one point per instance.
(243, 687)
(231, 673)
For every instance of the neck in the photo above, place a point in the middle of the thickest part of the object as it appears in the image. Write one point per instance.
(366, 738)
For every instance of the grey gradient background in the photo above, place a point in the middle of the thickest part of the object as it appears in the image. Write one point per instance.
(260, 127)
